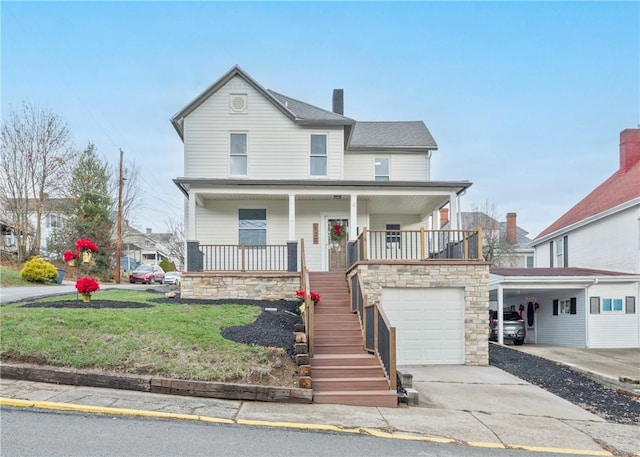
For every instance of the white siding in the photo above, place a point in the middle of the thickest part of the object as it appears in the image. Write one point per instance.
(611, 243)
(276, 147)
(407, 222)
(614, 329)
(402, 167)
(563, 329)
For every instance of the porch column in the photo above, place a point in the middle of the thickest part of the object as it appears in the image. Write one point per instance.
(292, 217)
(500, 318)
(353, 217)
(453, 211)
(191, 217)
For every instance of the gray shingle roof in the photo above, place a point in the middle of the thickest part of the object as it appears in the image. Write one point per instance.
(306, 112)
(395, 135)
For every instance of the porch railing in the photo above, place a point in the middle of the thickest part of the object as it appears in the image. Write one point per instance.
(379, 335)
(417, 245)
(242, 257)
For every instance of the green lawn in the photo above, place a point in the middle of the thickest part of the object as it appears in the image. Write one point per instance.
(11, 277)
(170, 340)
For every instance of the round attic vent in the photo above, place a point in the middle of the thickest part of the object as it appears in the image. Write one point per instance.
(238, 103)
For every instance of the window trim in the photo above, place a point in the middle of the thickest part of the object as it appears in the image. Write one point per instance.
(325, 156)
(245, 155)
(611, 302)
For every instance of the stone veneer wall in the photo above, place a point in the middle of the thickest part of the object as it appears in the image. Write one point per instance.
(473, 277)
(257, 286)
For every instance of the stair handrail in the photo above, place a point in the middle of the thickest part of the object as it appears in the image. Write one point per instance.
(309, 309)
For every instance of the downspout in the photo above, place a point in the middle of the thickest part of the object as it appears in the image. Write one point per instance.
(500, 317)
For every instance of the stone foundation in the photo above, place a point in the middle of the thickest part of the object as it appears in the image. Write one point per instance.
(473, 277)
(256, 286)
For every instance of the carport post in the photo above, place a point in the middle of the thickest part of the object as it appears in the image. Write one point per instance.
(500, 318)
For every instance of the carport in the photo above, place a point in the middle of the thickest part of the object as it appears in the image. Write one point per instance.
(569, 306)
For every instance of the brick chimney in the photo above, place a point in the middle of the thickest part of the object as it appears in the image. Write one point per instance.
(148, 231)
(444, 216)
(629, 148)
(511, 228)
(338, 101)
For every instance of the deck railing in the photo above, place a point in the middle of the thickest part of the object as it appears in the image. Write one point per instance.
(379, 335)
(417, 245)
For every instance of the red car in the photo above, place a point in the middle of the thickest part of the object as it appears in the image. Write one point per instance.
(147, 274)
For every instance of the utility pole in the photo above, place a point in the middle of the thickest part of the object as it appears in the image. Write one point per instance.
(119, 223)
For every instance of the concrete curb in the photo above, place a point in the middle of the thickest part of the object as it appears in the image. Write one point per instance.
(87, 378)
(292, 425)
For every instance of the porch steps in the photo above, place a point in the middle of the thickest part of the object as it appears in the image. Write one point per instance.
(342, 371)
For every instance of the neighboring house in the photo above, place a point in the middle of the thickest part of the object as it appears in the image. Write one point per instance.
(505, 243)
(146, 248)
(587, 277)
(52, 217)
(264, 172)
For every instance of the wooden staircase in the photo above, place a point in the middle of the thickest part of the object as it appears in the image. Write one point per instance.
(342, 372)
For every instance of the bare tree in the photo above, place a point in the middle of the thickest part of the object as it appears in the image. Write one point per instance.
(35, 163)
(176, 242)
(495, 246)
(131, 192)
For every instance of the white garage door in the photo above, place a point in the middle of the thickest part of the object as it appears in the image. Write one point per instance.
(429, 324)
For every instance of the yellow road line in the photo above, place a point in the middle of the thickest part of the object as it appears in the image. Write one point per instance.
(294, 425)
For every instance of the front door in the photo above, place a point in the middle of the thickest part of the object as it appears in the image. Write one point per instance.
(337, 237)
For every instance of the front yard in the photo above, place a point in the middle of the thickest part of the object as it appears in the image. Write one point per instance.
(174, 340)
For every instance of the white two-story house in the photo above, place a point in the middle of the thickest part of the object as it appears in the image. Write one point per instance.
(265, 173)
(585, 287)
(261, 168)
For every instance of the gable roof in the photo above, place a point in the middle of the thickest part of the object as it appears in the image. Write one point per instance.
(406, 135)
(309, 114)
(303, 113)
(621, 187)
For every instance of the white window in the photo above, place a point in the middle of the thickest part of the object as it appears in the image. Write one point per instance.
(382, 169)
(559, 252)
(252, 226)
(54, 220)
(392, 237)
(528, 261)
(318, 155)
(612, 305)
(564, 307)
(238, 154)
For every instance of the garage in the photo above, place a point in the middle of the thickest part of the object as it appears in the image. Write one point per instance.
(429, 324)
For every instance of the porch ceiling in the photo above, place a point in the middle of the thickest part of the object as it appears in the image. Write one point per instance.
(378, 204)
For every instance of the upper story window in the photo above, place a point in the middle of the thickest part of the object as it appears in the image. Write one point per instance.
(54, 220)
(318, 155)
(252, 226)
(238, 154)
(559, 253)
(528, 261)
(382, 169)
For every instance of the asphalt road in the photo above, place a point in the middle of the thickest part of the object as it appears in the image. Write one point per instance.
(12, 294)
(36, 433)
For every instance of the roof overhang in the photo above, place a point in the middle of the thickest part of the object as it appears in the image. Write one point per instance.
(370, 149)
(418, 198)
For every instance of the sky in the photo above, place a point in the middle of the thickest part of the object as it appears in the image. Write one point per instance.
(525, 99)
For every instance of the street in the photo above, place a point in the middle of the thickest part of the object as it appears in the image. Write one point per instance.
(51, 433)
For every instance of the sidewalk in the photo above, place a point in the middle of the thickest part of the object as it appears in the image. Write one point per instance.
(474, 406)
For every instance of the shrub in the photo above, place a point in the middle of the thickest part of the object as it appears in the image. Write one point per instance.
(166, 265)
(38, 270)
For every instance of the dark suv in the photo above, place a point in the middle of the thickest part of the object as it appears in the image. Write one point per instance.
(513, 327)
